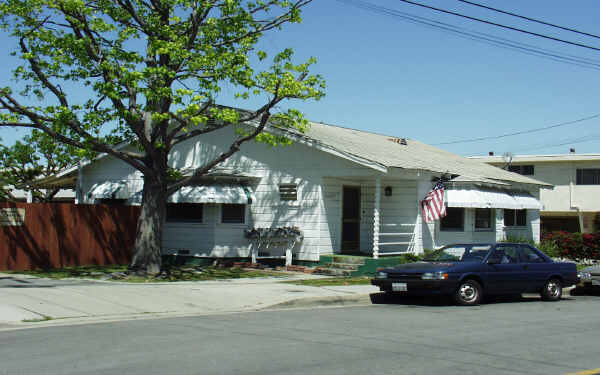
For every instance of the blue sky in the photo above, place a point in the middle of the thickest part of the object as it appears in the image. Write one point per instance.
(389, 76)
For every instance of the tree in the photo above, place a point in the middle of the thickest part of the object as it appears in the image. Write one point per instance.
(150, 71)
(35, 156)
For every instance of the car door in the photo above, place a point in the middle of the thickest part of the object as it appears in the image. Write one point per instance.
(535, 268)
(503, 277)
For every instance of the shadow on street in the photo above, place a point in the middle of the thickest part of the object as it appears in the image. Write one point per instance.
(382, 298)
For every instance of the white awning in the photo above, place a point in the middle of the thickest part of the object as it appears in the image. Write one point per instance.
(217, 193)
(526, 200)
(491, 198)
(213, 194)
(109, 190)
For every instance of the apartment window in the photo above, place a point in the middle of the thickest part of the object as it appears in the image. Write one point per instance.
(233, 213)
(515, 218)
(483, 218)
(185, 212)
(588, 176)
(454, 219)
(526, 170)
(288, 192)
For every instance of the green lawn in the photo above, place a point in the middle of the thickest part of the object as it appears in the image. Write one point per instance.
(333, 281)
(119, 273)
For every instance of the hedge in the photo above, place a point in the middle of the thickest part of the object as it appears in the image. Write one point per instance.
(575, 246)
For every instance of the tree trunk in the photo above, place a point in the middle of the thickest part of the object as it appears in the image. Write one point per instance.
(148, 241)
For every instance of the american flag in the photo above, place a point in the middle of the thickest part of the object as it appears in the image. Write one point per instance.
(434, 204)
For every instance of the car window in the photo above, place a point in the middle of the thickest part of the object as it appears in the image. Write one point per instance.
(529, 255)
(506, 254)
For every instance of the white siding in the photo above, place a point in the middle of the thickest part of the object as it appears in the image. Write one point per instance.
(316, 212)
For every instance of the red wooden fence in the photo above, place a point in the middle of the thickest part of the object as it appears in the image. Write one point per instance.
(64, 234)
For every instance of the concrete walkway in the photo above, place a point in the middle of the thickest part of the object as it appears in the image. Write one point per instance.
(29, 301)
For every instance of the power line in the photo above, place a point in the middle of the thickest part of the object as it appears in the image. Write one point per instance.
(520, 132)
(529, 18)
(501, 25)
(477, 36)
(572, 141)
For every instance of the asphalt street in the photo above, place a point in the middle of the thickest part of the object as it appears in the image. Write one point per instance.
(507, 336)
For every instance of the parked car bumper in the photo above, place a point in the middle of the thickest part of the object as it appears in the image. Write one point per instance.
(416, 287)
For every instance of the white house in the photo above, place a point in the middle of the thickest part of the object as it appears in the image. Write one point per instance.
(347, 190)
(573, 204)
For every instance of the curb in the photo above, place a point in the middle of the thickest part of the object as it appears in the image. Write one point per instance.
(352, 300)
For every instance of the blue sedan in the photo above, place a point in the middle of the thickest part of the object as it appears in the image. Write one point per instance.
(469, 271)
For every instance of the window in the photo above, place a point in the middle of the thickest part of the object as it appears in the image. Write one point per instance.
(185, 212)
(526, 170)
(454, 219)
(529, 255)
(288, 192)
(588, 176)
(515, 218)
(506, 254)
(233, 213)
(483, 218)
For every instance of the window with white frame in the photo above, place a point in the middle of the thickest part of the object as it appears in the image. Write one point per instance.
(515, 218)
(185, 212)
(233, 213)
(483, 218)
(454, 221)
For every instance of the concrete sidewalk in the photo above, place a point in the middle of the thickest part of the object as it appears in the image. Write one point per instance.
(28, 301)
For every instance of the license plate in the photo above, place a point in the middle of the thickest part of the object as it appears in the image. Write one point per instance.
(399, 287)
(595, 282)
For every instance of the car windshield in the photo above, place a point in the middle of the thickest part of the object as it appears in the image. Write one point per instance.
(459, 253)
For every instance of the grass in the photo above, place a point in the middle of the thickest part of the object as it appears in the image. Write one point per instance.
(119, 273)
(44, 318)
(333, 281)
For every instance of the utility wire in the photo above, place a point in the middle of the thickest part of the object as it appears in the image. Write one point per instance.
(572, 141)
(501, 25)
(477, 36)
(529, 18)
(520, 132)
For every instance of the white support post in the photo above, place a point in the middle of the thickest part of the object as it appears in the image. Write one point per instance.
(376, 218)
(78, 185)
(29, 196)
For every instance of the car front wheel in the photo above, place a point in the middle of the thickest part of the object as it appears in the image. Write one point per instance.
(469, 293)
(552, 290)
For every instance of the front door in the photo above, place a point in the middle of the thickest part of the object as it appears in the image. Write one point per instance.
(351, 219)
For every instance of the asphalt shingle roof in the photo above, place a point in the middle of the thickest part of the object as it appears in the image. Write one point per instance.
(390, 151)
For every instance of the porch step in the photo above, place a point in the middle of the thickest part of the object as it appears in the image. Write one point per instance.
(332, 271)
(348, 259)
(345, 266)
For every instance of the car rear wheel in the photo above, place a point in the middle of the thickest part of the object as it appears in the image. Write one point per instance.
(468, 293)
(552, 290)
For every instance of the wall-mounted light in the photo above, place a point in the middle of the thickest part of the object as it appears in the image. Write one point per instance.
(388, 191)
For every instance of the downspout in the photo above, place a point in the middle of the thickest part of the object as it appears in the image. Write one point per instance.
(572, 206)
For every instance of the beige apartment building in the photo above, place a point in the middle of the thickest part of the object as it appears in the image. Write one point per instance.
(574, 202)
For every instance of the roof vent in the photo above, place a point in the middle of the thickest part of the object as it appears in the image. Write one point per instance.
(400, 141)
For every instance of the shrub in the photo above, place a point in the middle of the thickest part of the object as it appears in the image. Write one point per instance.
(575, 246)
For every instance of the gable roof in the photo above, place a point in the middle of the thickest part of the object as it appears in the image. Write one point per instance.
(373, 150)
(392, 152)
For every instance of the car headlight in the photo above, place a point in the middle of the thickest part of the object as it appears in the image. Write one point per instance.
(584, 276)
(434, 276)
(381, 275)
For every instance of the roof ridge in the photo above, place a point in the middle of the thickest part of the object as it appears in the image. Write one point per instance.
(360, 130)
